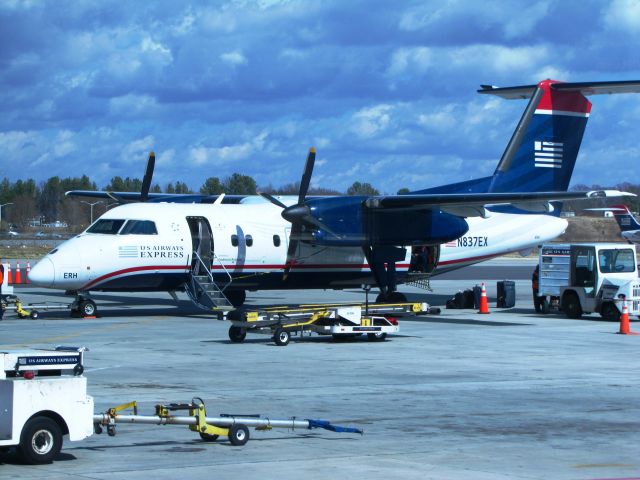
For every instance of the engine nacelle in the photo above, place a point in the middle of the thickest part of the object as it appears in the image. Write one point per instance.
(350, 223)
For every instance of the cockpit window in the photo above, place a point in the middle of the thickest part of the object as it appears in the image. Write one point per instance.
(107, 226)
(139, 227)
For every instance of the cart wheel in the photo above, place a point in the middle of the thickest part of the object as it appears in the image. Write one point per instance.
(34, 314)
(377, 337)
(208, 437)
(237, 334)
(281, 337)
(40, 441)
(88, 308)
(111, 430)
(238, 435)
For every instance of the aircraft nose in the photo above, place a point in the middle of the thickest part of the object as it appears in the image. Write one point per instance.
(43, 273)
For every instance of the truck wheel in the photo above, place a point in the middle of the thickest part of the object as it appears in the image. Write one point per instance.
(545, 306)
(281, 337)
(88, 308)
(238, 435)
(237, 334)
(377, 336)
(609, 312)
(571, 306)
(40, 441)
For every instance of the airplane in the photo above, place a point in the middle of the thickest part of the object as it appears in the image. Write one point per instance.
(629, 226)
(216, 249)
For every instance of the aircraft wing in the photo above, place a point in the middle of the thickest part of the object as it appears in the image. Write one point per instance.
(474, 204)
(125, 197)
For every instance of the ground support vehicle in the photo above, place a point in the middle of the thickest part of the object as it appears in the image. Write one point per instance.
(590, 277)
(234, 427)
(339, 320)
(43, 396)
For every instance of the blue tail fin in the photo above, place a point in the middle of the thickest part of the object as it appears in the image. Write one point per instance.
(626, 221)
(543, 149)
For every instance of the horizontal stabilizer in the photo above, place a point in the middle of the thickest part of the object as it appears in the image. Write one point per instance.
(585, 88)
(472, 204)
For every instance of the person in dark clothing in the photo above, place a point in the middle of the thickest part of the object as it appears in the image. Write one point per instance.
(535, 278)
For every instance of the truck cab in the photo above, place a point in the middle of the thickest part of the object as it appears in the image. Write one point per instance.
(601, 276)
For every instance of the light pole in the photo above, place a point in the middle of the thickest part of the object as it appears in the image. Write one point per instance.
(3, 205)
(91, 205)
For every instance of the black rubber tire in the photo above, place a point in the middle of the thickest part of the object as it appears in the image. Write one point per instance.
(281, 337)
(391, 297)
(40, 441)
(238, 435)
(537, 303)
(237, 334)
(236, 297)
(34, 314)
(88, 308)
(208, 438)
(609, 312)
(545, 306)
(377, 337)
(571, 305)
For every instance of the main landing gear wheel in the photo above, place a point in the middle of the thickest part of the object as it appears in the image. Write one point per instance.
(281, 337)
(236, 297)
(391, 297)
(40, 441)
(377, 337)
(238, 435)
(237, 334)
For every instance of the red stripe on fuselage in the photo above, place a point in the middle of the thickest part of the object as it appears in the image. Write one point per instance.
(125, 271)
(318, 266)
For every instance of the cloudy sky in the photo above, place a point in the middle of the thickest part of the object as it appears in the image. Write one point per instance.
(384, 89)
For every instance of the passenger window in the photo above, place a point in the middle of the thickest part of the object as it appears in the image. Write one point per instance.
(248, 240)
(106, 226)
(234, 240)
(139, 227)
(276, 240)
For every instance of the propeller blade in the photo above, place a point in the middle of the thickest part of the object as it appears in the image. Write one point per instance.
(306, 175)
(296, 230)
(148, 175)
(272, 199)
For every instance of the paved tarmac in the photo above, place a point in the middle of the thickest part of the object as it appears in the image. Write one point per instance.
(509, 395)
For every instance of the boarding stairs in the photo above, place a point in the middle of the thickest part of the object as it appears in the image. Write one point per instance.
(203, 291)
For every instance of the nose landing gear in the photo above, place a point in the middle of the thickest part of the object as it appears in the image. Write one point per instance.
(83, 307)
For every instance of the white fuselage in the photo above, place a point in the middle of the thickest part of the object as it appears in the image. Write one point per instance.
(249, 242)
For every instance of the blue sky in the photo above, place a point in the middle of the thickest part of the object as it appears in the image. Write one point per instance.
(384, 89)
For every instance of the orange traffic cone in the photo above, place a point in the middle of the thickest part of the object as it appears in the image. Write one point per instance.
(26, 275)
(18, 279)
(624, 321)
(9, 275)
(484, 303)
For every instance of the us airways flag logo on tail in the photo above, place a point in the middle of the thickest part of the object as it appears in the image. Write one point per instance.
(548, 154)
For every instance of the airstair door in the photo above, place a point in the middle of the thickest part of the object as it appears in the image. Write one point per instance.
(202, 245)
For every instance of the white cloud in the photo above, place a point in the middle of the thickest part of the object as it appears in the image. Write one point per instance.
(417, 59)
(63, 144)
(370, 121)
(228, 153)
(623, 15)
(133, 105)
(500, 58)
(234, 58)
(137, 149)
